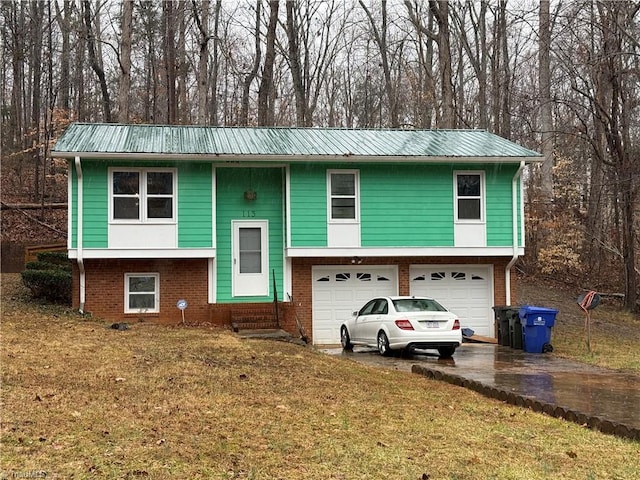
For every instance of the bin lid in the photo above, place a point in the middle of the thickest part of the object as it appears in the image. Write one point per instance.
(533, 310)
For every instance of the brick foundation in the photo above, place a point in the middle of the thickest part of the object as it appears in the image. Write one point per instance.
(179, 279)
(187, 279)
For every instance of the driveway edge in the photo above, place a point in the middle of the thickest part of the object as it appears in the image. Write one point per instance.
(558, 411)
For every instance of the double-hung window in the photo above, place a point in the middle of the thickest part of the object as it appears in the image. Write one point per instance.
(141, 293)
(469, 196)
(343, 195)
(143, 195)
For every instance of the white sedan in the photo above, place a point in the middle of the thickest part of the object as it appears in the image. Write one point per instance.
(395, 323)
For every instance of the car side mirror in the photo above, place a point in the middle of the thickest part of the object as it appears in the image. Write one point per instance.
(354, 314)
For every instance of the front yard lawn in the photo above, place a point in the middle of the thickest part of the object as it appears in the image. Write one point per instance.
(82, 400)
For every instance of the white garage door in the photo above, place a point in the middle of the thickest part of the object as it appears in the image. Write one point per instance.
(339, 291)
(466, 290)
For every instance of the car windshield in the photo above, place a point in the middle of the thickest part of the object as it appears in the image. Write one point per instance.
(418, 305)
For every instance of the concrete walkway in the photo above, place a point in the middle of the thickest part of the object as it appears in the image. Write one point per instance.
(600, 399)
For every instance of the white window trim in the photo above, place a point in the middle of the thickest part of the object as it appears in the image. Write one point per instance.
(356, 174)
(143, 196)
(156, 308)
(483, 195)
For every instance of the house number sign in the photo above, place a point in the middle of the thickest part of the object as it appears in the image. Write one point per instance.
(248, 214)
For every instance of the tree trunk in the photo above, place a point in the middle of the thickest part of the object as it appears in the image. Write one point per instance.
(182, 70)
(170, 61)
(250, 77)
(125, 61)
(37, 14)
(544, 84)
(266, 107)
(216, 64)
(64, 23)
(440, 9)
(294, 65)
(96, 65)
(380, 38)
(203, 56)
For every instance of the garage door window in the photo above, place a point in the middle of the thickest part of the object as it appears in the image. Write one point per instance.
(469, 193)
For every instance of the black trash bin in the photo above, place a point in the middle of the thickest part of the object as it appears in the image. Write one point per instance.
(502, 315)
(515, 330)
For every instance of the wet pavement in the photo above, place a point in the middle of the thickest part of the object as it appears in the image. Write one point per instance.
(601, 399)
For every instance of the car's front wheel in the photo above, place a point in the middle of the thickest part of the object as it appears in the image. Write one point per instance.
(446, 352)
(383, 344)
(345, 340)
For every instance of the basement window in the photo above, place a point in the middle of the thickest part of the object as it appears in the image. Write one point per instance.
(141, 293)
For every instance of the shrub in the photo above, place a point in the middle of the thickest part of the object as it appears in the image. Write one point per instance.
(49, 277)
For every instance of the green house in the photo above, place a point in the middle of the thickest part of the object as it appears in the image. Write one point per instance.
(290, 227)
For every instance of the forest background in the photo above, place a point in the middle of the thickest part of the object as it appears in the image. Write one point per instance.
(559, 77)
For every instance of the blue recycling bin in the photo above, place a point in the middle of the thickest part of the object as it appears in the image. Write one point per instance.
(537, 323)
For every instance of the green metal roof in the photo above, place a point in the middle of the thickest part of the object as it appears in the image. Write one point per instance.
(279, 143)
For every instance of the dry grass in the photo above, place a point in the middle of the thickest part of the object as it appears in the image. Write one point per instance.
(615, 342)
(80, 400)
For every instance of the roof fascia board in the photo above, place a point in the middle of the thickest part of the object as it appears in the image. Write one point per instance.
(291, 158)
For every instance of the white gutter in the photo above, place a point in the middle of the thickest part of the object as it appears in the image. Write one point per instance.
(79, 252)
(514, 211)
(242, 159)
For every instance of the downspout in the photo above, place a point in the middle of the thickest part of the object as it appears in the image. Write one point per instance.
(80, 259)
(514, 210)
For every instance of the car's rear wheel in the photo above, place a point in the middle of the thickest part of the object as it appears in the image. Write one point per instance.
(345, 340)
(383, 344)
(446, 352)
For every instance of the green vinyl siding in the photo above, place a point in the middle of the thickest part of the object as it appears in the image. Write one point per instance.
(195, 206)
(95, 209)
(499, 204)
(231, 183)
(308, 205)
(406, 206)
(400, 205)
(193, 197)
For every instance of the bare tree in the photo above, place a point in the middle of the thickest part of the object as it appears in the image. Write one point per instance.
(440, 11)
(266, 91)
(202, 21)
(313, 33)
(474, 44)
(96, 61)
(216, 63)
(380, 37)
(253, 73)
(125, 61)
(544, 83)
